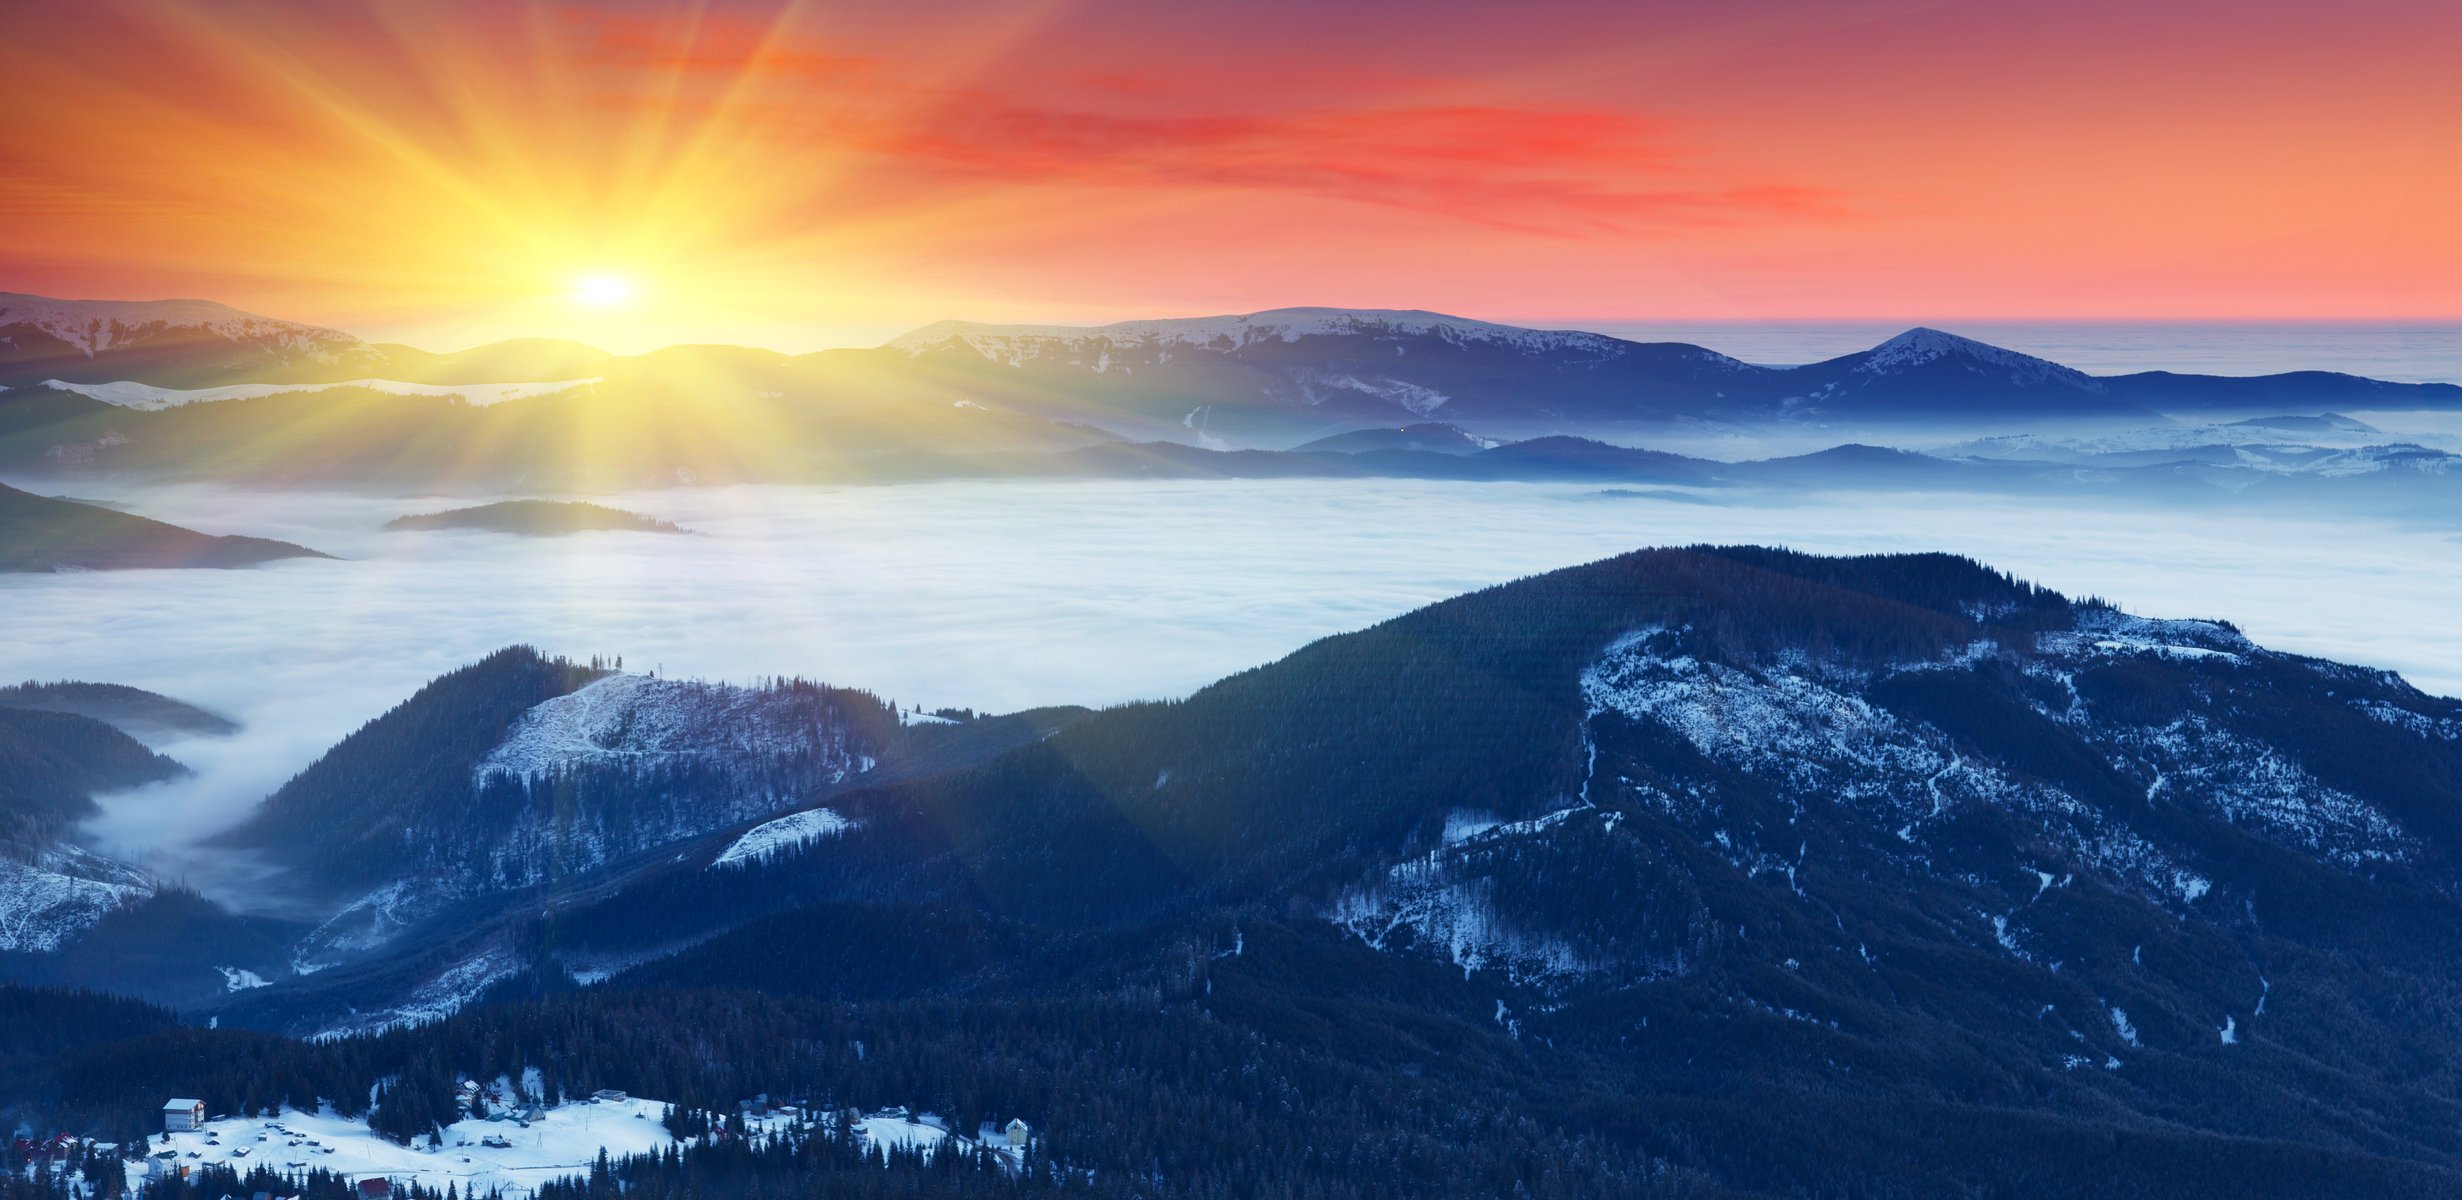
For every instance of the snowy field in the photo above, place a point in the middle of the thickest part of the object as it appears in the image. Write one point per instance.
(564, 1141)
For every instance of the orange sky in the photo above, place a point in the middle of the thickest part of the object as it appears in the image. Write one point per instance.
(823, 174)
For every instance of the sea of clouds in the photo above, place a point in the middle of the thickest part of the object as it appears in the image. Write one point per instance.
(999, 596)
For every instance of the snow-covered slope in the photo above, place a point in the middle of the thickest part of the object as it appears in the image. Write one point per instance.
(62, 892)
(1970, 783)
(1817, 734)
(1443, 904)
(623, 765)
(785, 833)
(644, 721)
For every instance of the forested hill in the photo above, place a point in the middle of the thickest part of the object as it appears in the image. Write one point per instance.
(52, 763)
(133, 710)
(1364, 742)
(39, 533)
(341, 821)
(1690, 869)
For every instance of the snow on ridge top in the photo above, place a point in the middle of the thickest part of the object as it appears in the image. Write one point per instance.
(2109, 631)
(2212, 635)
(98, 325)
(638, 719)
(785, 833)
(1923, 345)
(1000, 342)
(146, 397)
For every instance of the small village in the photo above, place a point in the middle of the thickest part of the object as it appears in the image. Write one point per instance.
(509, 1141)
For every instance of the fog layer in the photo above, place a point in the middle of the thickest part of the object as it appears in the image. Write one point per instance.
(1001, 596)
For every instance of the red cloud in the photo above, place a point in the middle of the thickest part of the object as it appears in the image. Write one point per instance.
(1562, 171)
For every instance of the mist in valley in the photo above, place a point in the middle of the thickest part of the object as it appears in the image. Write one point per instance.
(1001, 596)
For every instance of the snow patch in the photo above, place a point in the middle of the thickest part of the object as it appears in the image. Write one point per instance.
(1440, 903)
(240, 979)
(441, 996)
(787, 832)
(2120, 1025)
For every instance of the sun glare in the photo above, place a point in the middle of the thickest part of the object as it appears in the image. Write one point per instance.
(603, 290)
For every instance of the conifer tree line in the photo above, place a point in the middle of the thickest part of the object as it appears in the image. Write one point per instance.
(1127, 1099)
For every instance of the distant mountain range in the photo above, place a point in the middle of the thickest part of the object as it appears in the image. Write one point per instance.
(182, 343)
(1269, 379)
(2203, 465)
(1297, 393)
(1784, 854)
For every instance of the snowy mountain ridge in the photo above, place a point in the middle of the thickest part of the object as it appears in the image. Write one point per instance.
(1923, 346)
(146, 397)
(97, 326)
(1794, 758)
(642, 720)
(1013, 345)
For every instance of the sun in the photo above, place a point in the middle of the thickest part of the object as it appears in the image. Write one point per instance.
(604, 289)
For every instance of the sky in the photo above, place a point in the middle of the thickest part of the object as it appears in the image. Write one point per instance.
(800, 175)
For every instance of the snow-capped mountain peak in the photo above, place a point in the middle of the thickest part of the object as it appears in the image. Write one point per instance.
(1923, 346)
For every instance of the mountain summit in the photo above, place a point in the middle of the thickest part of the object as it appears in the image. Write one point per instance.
(1924, 346)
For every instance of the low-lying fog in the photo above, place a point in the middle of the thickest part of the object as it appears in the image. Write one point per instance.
(999, 596)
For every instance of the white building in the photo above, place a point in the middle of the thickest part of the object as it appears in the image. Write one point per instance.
(1020, 1133)
(183, 1116)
